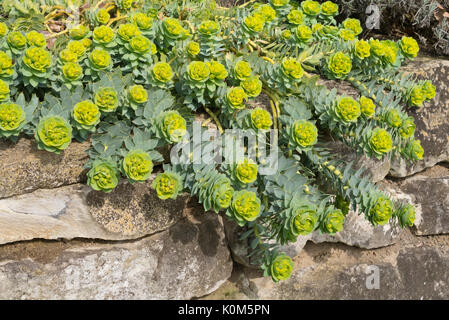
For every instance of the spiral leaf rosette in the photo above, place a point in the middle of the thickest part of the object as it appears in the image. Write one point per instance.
(53, 134)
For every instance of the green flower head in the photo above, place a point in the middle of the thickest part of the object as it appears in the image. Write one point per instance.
(330, 30)
(103, 34)
(267, 12)
(252, 86)
(304, 133)
(415, 150)
(347, 35)
(261, 119)
(103, 16)
(377, 47)
(340, 64)
(173, 28)
(318, 29)
(162, 72)
(286, 34)
(380, 141)
(140, 45)
(393, 118)
(173, 126)
(87, 43)
(3, 29)
(245, 206)
(77, 47)
(382, 211)
(246, 171)
(106, 99)
(292, 68)
(281, 267)
(138, 94)
(311, 8)
(242, 70)
(407, 216)
(37, 59)
(348, 110)
(72, 71)
(193, 48)
(79, 32)
(86, 114)
(390, 51)
(53, 133)
(254, 23)
(137, 165)
(128, 31)
(12, 119)
(36, 39)
(367, 106)
(4, 90)
(222, 193)
(198, 71)
(100, 59)
(304, 221)
(362, 49)
(408, 127)
(279, 3)
(295, 17)
(409, 47)
(329, 8)
(6, 65)
(417, 97)
(217, 70)
(303, 33)
(209, 28)
(143, 21)
(168, 185)
(353, 25)
(429, 90)
(333, 221)
(103, 176)
(236, 97)
(68, 56)
(17, 40)
(125, 4)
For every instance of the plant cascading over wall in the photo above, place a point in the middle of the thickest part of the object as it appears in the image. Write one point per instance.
(130, 77)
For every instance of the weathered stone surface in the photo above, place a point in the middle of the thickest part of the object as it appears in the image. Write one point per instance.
(429, 192)
(24, 168)
(432, 121)
(77, 211)
(189, 260)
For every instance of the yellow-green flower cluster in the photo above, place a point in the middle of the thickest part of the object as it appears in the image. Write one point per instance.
(68, 56)
(380, 141)
(198, 71)
(267, 12)
(407, 216)
(311, 7)
(77, 47)
(103, 176)
(217, 70)
(281, 267)
(209, 28)
(333, 221)
(53, 134)
(140, 45)
(367, 106)
(125, 4)
(103, 34)
(193, 48)
(72, 71)
(347, 35)
(245, 206)
(100, 59)
(408, 127)
(3, 29)
(292, 68)
(173, 126)
(348, 110)
(353, 25)
(17, 40)
(128, 31)
(340, 64)
(393, 118)
(415, 150)
(4, 90)
(304, 133)
(162, 72)
(295, 17)
(137, 165)
(279, 3)
(236, 97)
(168, 185)
(261, 119)
(6, 65)
(409, 47)
(303, 33)
(246, 171)
(106, 99)
(242, 70)
(79, 32)
(86, 114)
(252, 86)
(304, 221)
(173, 28)
(362, 49)
(138, 94)
(103, 16)
(36, 39)
(417, 97)
(286, 34)
(143, 21)
(12, 117)
(329, 8)
(390, 51)
(377, 47)
(254, 23)
(37, 59)
(382, 211)
(429, 90)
